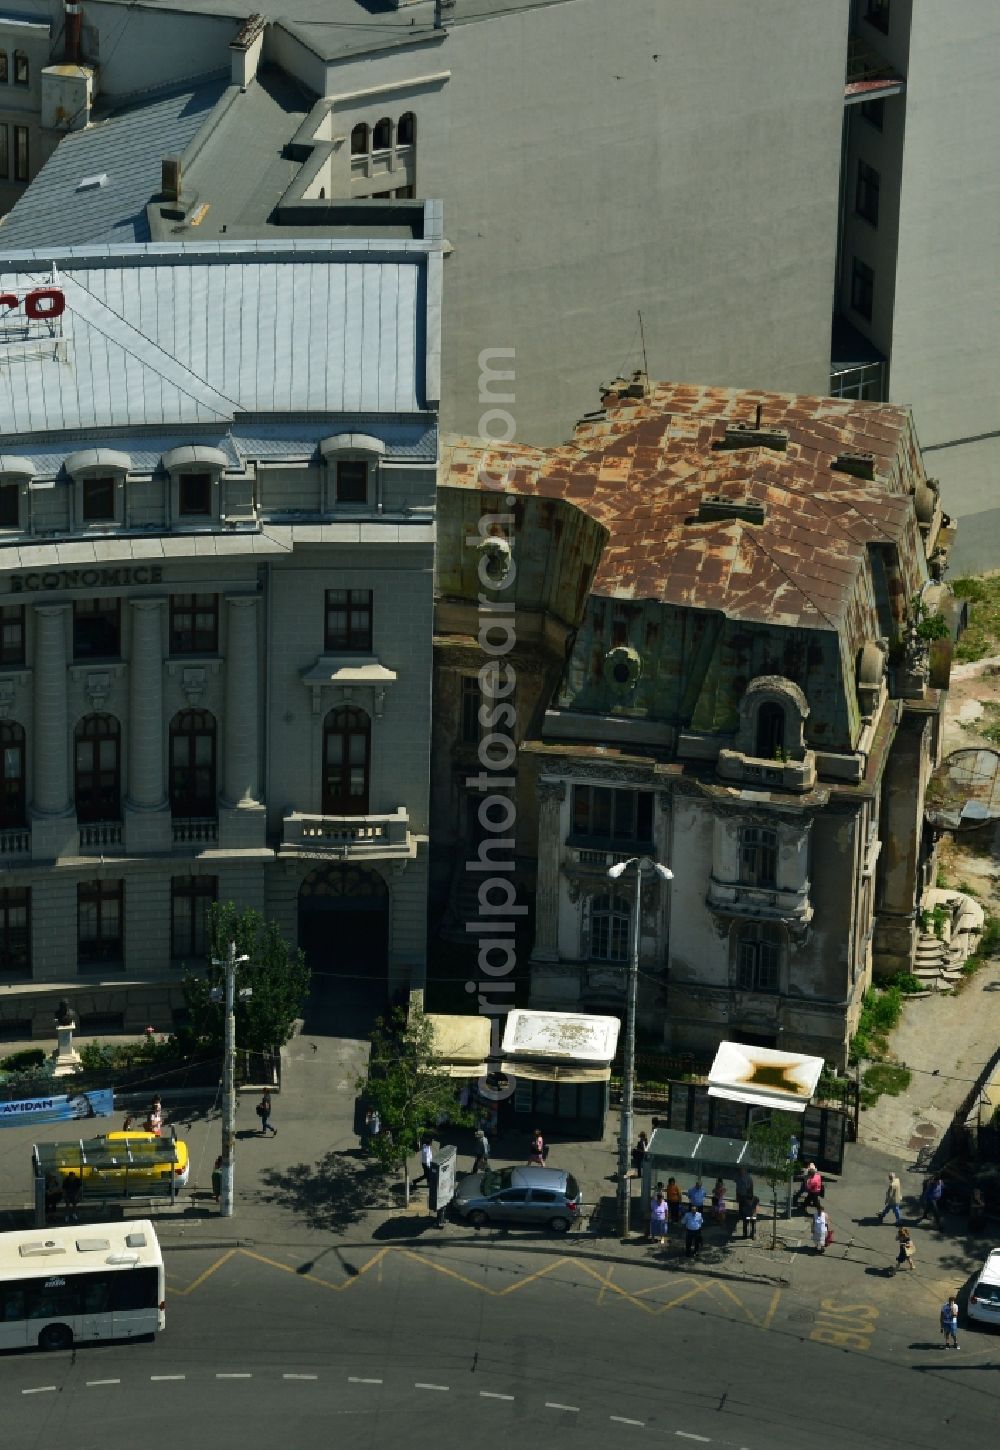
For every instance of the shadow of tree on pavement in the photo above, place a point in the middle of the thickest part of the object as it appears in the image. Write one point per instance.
(333, 1193)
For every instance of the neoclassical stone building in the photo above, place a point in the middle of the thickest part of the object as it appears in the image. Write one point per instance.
(736, 671)
(217, 496)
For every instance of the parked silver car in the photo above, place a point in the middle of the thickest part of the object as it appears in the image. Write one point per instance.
(546, 1196)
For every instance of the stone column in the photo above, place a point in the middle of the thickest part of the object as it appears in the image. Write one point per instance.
(551, 795)
(146, 789)
(242, 704)
(51, 724)
(53, 819)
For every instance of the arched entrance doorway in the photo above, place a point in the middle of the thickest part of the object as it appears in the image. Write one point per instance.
(344, 933)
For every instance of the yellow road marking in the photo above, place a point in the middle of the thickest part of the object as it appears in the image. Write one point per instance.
(174, 1289)
(314, 1278)
(636, 1298)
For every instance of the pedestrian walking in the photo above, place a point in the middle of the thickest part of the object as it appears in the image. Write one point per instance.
(658, 1218)
(639, 1153)
(893, 1198)
(154, 1123)
(696, 1196)
(72, 1187)
(217, 1179)
(482, 1159)
(719, 1201)
(693, 1222)
(537, 1154)
(264, 1113)
(673, 1194)
(426, 1161)
(812, 1187)
(931, 1200)
(949, 1323)
(906, 1253)
(373, 1126)
(748, 1212)
(820, 1228)
(977, 1211)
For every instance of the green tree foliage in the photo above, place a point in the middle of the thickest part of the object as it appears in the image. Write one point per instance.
(276, 974)
(770, 1146)
(406, 1085)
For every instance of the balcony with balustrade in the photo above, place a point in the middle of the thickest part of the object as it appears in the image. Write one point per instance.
(760, 902)
(349, 838)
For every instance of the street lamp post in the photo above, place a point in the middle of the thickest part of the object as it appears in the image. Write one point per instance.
(229, 963)
(640, 863)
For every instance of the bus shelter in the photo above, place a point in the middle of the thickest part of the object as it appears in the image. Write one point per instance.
(690, 1156)
(109, 1171)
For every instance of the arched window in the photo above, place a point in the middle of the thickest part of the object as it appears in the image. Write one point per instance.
(20, 68)
(346, 762)
(192, 764)
(382, 135)
(406, 129)
(609, 929)
(98, 769)
(359, 140)
(770, 730)
(12, 785)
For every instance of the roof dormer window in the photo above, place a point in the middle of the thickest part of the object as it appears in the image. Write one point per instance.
(352, 471)
(98, 476)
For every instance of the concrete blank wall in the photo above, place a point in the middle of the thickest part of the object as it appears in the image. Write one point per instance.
(946, 345)
(684, 164)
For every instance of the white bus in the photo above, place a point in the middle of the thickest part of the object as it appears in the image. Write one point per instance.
(84, 1282)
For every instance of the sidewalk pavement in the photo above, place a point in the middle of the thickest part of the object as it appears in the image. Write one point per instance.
(311, 1183)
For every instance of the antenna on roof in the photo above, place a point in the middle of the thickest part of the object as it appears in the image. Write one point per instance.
(642, 335)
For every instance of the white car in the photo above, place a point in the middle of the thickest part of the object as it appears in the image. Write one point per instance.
(984, 1300)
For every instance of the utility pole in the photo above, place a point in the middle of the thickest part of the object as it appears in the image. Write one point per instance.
(229, 1079)
(626, 1129)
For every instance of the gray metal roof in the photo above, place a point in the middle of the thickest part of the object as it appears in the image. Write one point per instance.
(127, 147)
(411, 440)
(336, 29)
(165, 334)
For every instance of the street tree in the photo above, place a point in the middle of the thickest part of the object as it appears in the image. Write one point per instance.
(275, 972)
(407, 1086)
(772, 1153)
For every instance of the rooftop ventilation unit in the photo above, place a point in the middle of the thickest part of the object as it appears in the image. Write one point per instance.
(92, 183)
(754, 435)
(714, 507)
(861, 465)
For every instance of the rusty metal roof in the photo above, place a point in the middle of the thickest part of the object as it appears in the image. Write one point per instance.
(643, 464)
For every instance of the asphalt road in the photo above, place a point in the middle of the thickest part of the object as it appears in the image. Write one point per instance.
(440, 1345)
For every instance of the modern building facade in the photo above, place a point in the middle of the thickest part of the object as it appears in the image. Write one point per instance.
(217, 500)
(728, 656)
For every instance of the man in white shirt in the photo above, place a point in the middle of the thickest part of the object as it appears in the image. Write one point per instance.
(426, 1162)
(693, 1222)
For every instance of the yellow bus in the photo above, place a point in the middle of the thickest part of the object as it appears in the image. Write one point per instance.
(62, 1286)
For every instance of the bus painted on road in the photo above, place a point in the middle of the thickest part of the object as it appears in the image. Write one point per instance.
(84, 1282)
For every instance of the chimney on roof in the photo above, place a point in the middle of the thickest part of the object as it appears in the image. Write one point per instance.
(861, 465)
(714, 507)
(244, 51)
(754, 435)
(73, 23)
(171, 178)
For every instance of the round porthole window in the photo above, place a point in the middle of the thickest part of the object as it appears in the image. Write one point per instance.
(623, 667)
